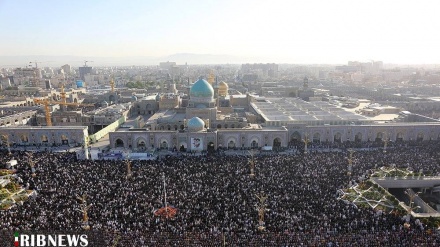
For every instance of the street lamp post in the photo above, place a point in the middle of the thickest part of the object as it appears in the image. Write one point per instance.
(350, 163)
(31, 164)
(261, 207)
(252, 163)
(84, 209)
(128, 163)
(306, 141)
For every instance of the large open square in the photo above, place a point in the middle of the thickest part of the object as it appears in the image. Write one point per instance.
(216, 199)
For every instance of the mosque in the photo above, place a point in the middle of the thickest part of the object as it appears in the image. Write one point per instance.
(206, 123)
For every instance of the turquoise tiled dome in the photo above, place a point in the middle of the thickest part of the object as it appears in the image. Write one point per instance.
(195, 124)
(201, 89)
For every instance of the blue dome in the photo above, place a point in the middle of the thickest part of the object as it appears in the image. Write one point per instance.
(195, 124)
(79, 83)
(201, 88)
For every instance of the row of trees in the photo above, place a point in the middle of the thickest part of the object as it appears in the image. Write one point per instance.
(139, 84)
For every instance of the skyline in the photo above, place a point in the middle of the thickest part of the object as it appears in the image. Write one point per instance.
(320, 32)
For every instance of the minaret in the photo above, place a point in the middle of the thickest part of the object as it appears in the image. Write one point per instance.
(63, 98)
(211, 78)
(216, 89)
(112, 85)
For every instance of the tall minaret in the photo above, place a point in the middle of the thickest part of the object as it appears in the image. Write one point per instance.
(211, 78)
(112, 85)
(216, 90)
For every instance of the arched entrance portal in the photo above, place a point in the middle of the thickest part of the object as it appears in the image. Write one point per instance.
(231, 144)
(164, 145)
(44, 139)
(254, 144)
(182, 147)
(64, 140)
(276, 143)
(379, 137)
(141, 144)
(337, 137)
(24, 139)
(399, 137)
(358, 137)
(295, 137)
(119, 143)
(211, 147)
(316, 137)
(420, 137)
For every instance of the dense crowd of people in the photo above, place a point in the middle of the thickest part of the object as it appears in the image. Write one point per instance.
(216, 198)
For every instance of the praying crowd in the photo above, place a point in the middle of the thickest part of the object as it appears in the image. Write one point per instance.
(216, 198)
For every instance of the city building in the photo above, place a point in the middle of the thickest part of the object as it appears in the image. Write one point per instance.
(83, 71)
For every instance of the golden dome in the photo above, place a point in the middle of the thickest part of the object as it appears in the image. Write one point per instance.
(223, 85)
(223, 88)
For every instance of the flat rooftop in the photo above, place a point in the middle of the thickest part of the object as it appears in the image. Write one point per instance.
(165, 116)
(294, 110)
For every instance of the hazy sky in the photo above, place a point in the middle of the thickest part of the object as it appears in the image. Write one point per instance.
(292, 31)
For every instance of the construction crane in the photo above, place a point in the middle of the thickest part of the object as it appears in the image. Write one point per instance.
(46, 102)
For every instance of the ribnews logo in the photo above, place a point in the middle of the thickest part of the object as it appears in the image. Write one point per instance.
(54, 240)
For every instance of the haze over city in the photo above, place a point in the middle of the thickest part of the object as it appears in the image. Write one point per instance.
(225, 31)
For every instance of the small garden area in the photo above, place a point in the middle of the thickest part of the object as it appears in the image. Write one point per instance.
(394, 172)
(11, 192)
(369, 194)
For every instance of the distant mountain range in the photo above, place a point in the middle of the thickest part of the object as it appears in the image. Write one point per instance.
(179, 58)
